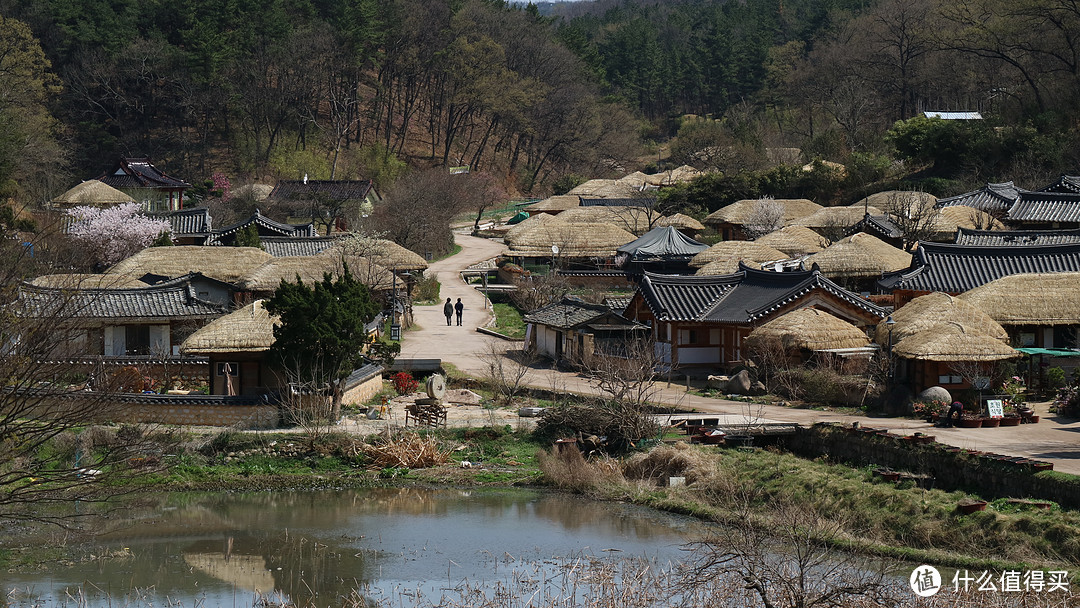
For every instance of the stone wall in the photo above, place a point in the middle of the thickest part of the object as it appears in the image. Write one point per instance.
(951, 468)
(240, 416)
(363, 391)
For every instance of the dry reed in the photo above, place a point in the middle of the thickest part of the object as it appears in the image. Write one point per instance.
(408, 450)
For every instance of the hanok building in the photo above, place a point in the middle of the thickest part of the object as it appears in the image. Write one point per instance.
(189, 226)
(732, 221)
(328, 201)
(995, 199)
(701, 321)
(143, 182)
(1045, 210)
(265, 227)
(578, 332)
(1007, 238)
(954, 269)
(125, 322)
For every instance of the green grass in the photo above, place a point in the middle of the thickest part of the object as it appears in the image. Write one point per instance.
(508, 321)
(427, 291)
(456, 249)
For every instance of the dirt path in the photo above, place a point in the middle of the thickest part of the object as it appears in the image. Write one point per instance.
(1054, 439)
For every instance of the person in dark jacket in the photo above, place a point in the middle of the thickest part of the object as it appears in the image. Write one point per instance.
(958, 409)
(448, 310)
(459, 308)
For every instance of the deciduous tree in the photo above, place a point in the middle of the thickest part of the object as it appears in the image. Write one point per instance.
(111, 234)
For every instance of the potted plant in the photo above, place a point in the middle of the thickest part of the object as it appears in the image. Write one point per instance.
(970, 420)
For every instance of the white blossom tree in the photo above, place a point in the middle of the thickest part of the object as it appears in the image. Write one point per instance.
(108, 235)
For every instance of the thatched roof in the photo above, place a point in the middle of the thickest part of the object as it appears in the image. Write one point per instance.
(311, 268)
(382, 252)
(678, 175)
(808, 329)
(94, 193)
(637, 179)
(574, 240)
(560, 202)
(859, 255)
(830, 217)
(632, 219)
(926, 312)
(250, 329)
(951, 341)
(87, 281)
(680, 221)
(256, 192)
(951, 219)
(828, 164)
(737, 250)
(889, 199)
(1030, 299)
(605, 188)
(228, 264)
(740, 211)
(529, 224)
(794, 240)
(726, 266)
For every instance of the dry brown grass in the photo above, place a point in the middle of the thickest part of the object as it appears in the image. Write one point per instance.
(409, 450)
(666, 461)
(568, 469)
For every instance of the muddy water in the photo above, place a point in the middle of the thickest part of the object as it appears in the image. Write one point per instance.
(393, 545)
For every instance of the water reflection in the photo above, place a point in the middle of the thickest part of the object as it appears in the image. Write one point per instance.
(222, 549)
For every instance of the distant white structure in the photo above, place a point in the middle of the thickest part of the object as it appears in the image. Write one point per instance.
(954, 115)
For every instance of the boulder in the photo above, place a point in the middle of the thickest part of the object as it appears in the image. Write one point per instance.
(757, 389)
(935, 393)
(462, 396)
(718, 382)
(739, 384)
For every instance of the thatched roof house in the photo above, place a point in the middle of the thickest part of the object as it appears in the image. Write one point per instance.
(859, 255)
(678, 175)
(729, 221)
(382, 252)
(87, 281)
(631, 219)
(952, 342)
(890, 200)
(684, 223)
(833, 217)
(554, 204)
(250, 329)
(733, 251)
(951, 219)
(794, 241)
(310, 269)
(605, 188)
(928, 311)
(93, 193)
(574, 241)
(226, 264)
(808, 329)
(1039, 310)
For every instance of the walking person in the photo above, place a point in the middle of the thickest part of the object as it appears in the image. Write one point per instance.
(460, 308)
(448, 310)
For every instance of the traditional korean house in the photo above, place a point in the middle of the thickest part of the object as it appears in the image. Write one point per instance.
(725, 257)
(315, 198)
(189, 226)
(1005, 238)
(942, 340)
(553, 205)
(92, 193)
(1069, 184)
(858, 261)
(701, 321)
(263, 281)
(577, 332)
(809, 335)
(794, 241)
(124, 322)
(730, 221)
(940, 225)
(1038, 310)
(146, 184)
(995, 199)
(684, 223)
(265, 227)
(1045, 210)
(660, 250)
(540, 240)
(953, 269)
(221, 268)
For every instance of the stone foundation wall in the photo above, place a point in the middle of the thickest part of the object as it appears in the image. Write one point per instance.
(363, 391)
(952, 468)
(240, 416)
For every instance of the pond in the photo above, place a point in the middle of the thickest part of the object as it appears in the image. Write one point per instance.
(375, 546)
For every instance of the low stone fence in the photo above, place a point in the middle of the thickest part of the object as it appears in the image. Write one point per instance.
(951, 468)
(208, 410)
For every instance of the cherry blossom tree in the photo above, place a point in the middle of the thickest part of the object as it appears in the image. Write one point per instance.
(108, 235)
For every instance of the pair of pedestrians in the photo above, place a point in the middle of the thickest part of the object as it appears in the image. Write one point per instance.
(449, 309)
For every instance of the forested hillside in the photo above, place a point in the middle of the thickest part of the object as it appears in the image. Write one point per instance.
(354, 88)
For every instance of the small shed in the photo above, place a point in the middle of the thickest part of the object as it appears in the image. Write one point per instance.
(801, 333)
(947, 355)
(578, 332)
(236, 346)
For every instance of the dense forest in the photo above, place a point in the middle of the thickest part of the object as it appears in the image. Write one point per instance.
(363, 88)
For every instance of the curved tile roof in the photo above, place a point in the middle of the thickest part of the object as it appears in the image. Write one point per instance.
(953, 268)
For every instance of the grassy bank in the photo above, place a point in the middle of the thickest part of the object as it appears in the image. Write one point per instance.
(866, 514)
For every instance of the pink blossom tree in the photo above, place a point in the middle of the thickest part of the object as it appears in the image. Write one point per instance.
(111, 234)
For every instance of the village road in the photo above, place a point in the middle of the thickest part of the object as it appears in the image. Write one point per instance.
(1053, 439)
